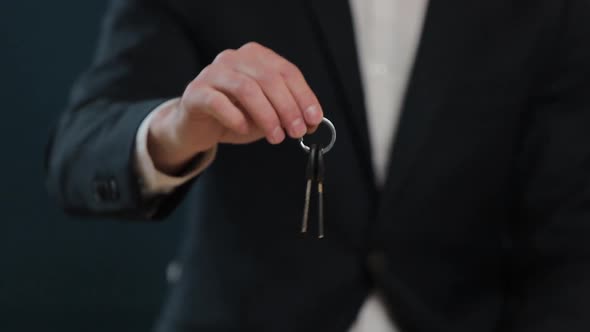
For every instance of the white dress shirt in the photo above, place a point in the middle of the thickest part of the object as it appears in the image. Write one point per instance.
(387, 34)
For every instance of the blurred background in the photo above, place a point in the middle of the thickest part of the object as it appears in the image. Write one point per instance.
(59, 273)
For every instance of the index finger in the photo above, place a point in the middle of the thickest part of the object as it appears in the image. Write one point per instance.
(302, 92)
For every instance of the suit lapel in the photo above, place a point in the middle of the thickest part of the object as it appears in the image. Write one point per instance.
(442, 44)
(333, 22)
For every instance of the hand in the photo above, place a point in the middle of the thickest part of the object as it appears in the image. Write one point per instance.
(243, 96)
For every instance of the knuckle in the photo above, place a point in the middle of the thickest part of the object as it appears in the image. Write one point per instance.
(192, 89)
(268, 77)
(224, 56)
(252, 45)
(245, 88)
(210, 100)
(289, 70)
(211, 75)
(205, 72)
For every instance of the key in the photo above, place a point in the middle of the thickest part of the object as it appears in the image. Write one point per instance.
(315, 174)
(310, 175)
(320, 180)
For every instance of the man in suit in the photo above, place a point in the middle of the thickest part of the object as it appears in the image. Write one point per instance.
(457, 193)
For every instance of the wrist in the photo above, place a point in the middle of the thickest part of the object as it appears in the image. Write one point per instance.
(166, 145)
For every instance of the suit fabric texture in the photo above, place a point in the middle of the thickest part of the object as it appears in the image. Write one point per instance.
(483, 223)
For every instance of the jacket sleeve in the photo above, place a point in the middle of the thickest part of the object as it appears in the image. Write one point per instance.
(144, 57)
(552, 290)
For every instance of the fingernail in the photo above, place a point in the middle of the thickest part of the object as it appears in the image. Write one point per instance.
(313, 114)
(277, 135)
(298, 128)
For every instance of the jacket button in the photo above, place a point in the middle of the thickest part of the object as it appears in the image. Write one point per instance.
(113, 190)
(173, 272)
(100, 191)
(105, 191)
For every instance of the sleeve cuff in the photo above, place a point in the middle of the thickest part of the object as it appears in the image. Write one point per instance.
(154, 182)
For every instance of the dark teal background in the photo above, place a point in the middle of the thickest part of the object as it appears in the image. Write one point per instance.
(59, 273)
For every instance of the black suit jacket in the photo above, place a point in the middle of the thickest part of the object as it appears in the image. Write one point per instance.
(483, 224)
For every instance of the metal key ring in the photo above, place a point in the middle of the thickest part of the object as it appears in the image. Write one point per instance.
(332, 140)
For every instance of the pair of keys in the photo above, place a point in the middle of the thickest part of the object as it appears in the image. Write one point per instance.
(315, 174)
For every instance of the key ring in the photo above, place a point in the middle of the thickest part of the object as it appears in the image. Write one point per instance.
(332, 140)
